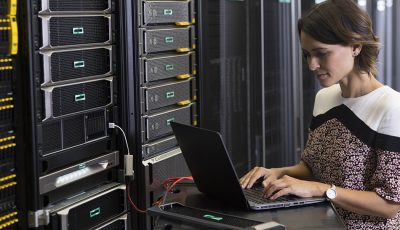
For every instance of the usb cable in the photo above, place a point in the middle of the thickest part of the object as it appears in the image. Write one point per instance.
(128, 158)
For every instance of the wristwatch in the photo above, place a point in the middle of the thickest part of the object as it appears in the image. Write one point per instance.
(331, 193)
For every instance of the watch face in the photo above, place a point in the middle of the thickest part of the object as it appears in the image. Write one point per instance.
(331, 194)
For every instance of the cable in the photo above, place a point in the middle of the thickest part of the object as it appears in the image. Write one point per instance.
(128, 158)
(113, 125)
(169, 184)
(132, 203)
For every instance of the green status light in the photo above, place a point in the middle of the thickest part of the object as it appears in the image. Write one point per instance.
(212, 217)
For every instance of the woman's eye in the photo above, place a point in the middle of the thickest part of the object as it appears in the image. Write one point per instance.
(305, 55)
(320, 54)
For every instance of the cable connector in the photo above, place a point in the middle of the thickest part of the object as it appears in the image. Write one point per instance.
(128, 158)
(128, 166)
(111, 125)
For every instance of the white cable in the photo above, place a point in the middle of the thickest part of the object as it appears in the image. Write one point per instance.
(113, 125)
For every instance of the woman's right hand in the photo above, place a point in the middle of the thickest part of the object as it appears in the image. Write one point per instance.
(268, 175)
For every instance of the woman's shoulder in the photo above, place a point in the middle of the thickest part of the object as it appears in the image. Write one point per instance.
(326, 99)
(390, 97)
(386, 101)
(389, 104)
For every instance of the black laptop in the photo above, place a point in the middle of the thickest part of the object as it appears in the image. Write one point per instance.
(212, 170)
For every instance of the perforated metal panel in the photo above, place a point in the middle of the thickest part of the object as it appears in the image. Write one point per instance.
(166, 94)
(159, 40)
(158, 125)
(96, 125)
(76, 98)
(52, 139)
(75, 5)
(66, 31)
(159, 68)
(72, 131)
(77, 64)
(158, 12)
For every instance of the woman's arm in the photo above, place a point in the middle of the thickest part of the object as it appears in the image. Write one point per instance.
(362, 202)
(296, 180)
(299, 171)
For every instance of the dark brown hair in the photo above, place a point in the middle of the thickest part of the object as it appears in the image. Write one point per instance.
(343, 22)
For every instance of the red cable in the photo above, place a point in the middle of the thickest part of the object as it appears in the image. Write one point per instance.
(168, 186)
(178, 180)
(173, 180)
(133, 204)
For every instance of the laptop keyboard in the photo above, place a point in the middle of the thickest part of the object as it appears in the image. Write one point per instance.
(256, 195)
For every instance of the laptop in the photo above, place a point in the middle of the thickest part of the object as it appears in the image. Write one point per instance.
(214, 175)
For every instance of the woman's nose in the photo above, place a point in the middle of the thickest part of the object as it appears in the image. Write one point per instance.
(313, 63)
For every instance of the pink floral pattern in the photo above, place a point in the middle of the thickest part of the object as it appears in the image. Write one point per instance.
(336, 156)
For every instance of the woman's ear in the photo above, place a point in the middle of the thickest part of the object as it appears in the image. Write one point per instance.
(357, 50)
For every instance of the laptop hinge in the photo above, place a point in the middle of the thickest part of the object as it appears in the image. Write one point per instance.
(38, 218)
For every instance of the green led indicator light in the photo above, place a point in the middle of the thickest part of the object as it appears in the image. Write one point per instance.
(79, 64)
(212, 217)
(80, 97)
(82, 166)
(169, 121)
(94, 212)
(169, 67)
(77, 30)
(170, 94)
(168, 12)
(169, 39)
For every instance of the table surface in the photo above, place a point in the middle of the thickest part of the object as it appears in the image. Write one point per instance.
(315, 216)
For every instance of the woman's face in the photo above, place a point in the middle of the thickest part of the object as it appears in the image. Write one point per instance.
(330, 63)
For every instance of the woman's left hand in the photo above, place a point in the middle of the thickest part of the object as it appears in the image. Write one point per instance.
(290, 185)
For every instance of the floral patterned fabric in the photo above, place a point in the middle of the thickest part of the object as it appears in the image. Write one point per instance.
(354, 143)
(338, 157)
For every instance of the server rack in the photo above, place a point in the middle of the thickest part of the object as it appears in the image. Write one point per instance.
(255, 92)
(69, 95)
(10, 213)
(143, 79)
(164, 81)
(233, 91)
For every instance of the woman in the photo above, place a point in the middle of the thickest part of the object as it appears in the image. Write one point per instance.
(353, 151)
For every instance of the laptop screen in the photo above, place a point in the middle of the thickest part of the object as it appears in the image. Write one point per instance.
(209, 163)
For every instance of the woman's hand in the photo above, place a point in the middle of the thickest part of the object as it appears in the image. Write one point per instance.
(268, 175)
(281, 181)
(289, 185)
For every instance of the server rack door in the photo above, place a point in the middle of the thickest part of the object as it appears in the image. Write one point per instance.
(231, 91)
(253, 92)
